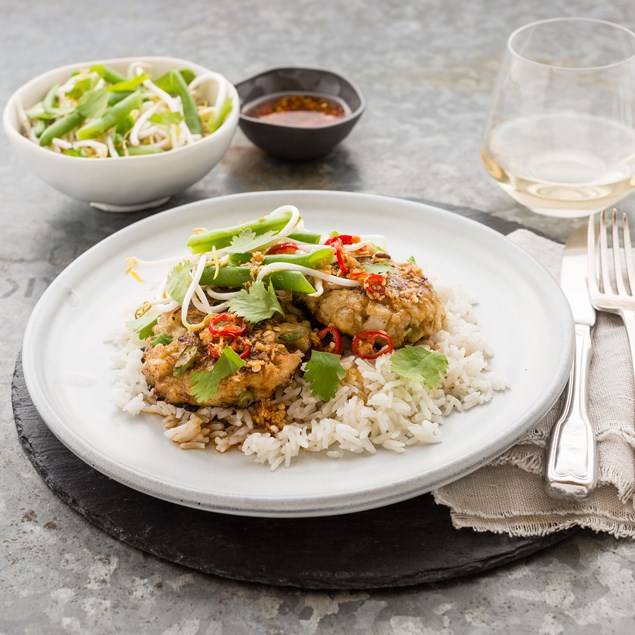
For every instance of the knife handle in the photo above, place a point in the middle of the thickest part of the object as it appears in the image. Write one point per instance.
(571, 454)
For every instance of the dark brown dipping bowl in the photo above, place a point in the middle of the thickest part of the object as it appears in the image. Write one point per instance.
(298, 143)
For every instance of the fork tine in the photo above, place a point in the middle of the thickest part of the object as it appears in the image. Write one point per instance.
(617, 254)
(628, 249)
(592, 274)
(604, 255)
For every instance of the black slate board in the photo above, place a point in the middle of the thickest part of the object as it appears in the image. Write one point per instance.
(408, 543)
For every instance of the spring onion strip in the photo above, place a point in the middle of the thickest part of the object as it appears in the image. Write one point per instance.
(314, 273)
(319, 289)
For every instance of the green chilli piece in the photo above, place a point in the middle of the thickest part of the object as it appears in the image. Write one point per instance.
(128, 84)
(173, 83)
(216, 122)
(236, 277)
(290, 281)
(117, 96)
(231, 277)
(219, 238)
(315, 260)
(62, 127)
(92, 104)
(306, 237)
(137, 151)
(107, 73)
(111, 117)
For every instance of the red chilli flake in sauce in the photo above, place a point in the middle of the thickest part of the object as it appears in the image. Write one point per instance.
(305, 110)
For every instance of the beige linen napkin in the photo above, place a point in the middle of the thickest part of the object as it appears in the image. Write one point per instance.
(507, 496)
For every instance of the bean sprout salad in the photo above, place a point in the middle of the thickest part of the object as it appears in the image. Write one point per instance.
(98, 112)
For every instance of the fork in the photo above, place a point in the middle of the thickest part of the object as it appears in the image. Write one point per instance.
(612, 289)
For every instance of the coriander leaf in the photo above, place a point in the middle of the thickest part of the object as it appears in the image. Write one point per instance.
(247, 240)
(164, 339)
(128, 84)
(204, 385)
(325, 373)
(166, 118)
(81, 87)
(178, 281)
(257, 304)
(94, 103)
(378, 268)
(333, 234)
(419, 364)
(143, 326)
(412, 260)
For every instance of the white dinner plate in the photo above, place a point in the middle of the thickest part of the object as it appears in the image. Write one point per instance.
(67, 362)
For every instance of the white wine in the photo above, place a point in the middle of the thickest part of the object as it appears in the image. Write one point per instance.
(562, 164)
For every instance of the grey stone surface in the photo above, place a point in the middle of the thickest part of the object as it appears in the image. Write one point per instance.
(427, 70)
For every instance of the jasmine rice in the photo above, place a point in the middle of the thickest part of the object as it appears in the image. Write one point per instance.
(374, 408)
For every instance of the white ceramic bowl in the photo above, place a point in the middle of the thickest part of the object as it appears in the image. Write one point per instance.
(125, 183)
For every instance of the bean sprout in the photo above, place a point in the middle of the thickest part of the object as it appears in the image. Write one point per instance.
(287, 266)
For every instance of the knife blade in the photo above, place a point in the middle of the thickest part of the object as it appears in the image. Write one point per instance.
(571, 471)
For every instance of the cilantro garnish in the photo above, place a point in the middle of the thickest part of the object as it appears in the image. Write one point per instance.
(166, 118)
(419, 364)
(143, 326)
(164, 339)
(81, 87)
(204, 385)
(93, 103)
(257, 304)
(325, 373)
(178, 281)
(333, 234)
(247, 240)
(378, 268)
(412, 260)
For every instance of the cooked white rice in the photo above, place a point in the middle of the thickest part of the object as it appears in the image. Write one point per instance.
(373, 407)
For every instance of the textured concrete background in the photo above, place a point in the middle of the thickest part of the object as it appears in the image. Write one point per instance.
(427, 70)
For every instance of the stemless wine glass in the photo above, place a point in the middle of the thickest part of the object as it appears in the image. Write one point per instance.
(560, 137)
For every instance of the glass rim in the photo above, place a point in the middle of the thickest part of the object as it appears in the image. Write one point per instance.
(536, 23)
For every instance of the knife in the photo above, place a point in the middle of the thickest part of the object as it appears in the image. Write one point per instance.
(572, 454)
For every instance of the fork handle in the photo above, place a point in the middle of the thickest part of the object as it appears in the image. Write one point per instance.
(571, 455)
